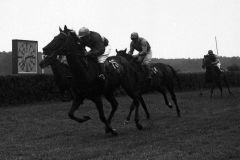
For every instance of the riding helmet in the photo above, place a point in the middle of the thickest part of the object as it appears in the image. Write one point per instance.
(134, 35)
(83, 32)
(210, 52)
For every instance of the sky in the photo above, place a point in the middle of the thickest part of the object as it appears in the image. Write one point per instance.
(174, 28)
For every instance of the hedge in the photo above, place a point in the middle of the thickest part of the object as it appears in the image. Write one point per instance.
(21, 89)
(195, 81)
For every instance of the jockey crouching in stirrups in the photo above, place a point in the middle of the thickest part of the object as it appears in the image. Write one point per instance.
(215, 62)
(145, 54)
(97, 44)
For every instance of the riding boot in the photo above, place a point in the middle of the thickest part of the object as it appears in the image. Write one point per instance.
(149, 74)
(101, 72)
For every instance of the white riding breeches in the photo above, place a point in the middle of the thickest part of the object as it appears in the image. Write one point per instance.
(148, 57)
(103, 57)
(217, 64)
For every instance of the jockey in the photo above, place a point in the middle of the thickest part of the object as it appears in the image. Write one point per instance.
(142, 46)
(97, 44)
(215, 62)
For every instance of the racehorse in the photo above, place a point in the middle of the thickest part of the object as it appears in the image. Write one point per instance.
(163, 80)
(214, 76)
(62, 77)
(85, 83)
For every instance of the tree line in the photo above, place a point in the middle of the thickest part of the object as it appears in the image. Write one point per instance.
(183, 65)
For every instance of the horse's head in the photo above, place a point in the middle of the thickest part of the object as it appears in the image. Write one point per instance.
(71, 45)
(123, 53)
(58, 46)
(56, 43)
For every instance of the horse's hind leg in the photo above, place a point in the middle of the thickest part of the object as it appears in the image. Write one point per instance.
(164, 93)
(211, 91)
(75, 104)
(226, 82)
(130, 112)
(171, 91)
(220, 86)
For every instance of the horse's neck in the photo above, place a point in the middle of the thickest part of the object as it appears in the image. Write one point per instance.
(79, 69)
(129, 57)
(133, 63)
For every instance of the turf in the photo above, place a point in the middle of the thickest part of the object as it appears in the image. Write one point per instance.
(208, 129)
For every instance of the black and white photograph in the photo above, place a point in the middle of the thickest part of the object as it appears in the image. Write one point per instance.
(120, 80)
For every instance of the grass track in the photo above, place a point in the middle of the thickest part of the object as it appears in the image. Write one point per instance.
(208, 129)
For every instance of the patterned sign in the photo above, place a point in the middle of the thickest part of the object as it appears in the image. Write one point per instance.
(25, 53)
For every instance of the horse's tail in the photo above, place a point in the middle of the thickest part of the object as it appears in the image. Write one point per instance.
(176, 76)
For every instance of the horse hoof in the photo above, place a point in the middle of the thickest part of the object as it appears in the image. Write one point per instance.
(179, 115)
(107, 130)
(86, 118)
(114, 132)
(170, 106)
(139, 126)
(126, 122)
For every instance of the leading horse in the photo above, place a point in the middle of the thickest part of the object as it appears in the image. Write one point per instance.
(84, 70)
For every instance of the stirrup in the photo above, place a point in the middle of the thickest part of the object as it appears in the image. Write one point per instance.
(101, 76)
(149, 77)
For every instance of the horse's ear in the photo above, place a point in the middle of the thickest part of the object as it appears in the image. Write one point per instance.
(116, 50)
(125, 50)
(65, 27)
(60, 29)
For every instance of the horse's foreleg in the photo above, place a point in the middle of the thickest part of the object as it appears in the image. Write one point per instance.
(75, 104)
(99, 105)
(220, 86)
(138, 125)
(136, 97)
(112, 100)
(201, 86)
(144, 106)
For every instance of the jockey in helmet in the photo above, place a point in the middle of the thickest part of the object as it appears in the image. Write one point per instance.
(143, 47)
(215, 62)
(97, 44)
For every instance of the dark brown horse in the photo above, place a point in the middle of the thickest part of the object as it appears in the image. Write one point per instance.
(214, 76)
(85, 83)
(163, 80)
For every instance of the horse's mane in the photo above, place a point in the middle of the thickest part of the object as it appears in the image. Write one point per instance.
(128, 57)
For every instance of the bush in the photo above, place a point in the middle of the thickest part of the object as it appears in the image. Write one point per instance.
(20, 89)
(233, 67)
